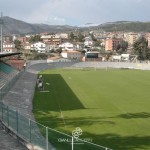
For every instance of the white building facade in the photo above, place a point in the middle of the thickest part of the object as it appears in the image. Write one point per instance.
(67, 46)
(9, 47)
(71, 55)
(88, 42)
(39, 47)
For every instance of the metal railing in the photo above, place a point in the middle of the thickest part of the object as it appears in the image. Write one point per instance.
(35, 134)
(7, 85)
(39, 136)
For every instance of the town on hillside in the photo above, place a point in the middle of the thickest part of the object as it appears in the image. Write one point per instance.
(96, 45)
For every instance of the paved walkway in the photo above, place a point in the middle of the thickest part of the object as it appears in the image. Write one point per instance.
(21, 94)
(7, 142)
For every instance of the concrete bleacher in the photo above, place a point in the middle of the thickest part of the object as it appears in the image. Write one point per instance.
(7, 142)
(6, 68)
(6, 73)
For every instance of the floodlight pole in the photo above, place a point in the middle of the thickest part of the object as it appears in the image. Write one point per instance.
(1, 32)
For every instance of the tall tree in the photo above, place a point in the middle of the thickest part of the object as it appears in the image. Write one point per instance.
(122, 47)
(80, 37)
(72, 37)
(18, 45)
(93, 37)
(141, 49)
(35, 38)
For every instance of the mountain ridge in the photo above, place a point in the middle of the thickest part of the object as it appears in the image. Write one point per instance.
(15, 26)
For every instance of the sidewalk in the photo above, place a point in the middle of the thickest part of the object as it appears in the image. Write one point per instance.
(21, 94)
(7, 142)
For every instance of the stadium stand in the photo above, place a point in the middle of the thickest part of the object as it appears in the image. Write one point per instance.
(20, 96)
(7, 73)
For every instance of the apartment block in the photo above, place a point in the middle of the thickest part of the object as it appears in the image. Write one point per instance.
(111, 44)
(131, 38)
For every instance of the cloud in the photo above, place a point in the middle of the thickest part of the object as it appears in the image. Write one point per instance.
(55, 20)
(75, 12)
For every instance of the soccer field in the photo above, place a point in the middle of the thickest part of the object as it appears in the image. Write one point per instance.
(112, 107)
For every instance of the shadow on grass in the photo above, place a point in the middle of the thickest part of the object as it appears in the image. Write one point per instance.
(112, 141)
(60, 96)
(118, 142)
(55, 121)
(135, 115)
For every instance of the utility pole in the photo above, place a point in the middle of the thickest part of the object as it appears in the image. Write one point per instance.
(1, 23)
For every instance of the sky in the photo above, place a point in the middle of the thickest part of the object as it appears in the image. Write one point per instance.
(76, 12)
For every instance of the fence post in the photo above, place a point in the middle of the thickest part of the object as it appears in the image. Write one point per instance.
(72, 143)
(7, 116)
(47, 138)
(30, 130)
(2, 111)
(0, 94)
(17, 120)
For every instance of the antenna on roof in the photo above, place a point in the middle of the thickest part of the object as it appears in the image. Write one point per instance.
(1, 23)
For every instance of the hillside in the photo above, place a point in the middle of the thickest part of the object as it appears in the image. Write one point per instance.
(14, 26)
(126, 26)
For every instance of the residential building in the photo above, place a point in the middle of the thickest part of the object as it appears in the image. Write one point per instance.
(63, 35)
(51, 39)
(39, 47)
(9, 47)
(131, 38)
(88, 42)
(67, 46)
(71, 55)
(111, 44)
(7, 38)
(27, 46)
(147, 36)
(24, 39)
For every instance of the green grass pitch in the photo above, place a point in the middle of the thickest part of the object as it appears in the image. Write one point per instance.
(112, 107)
